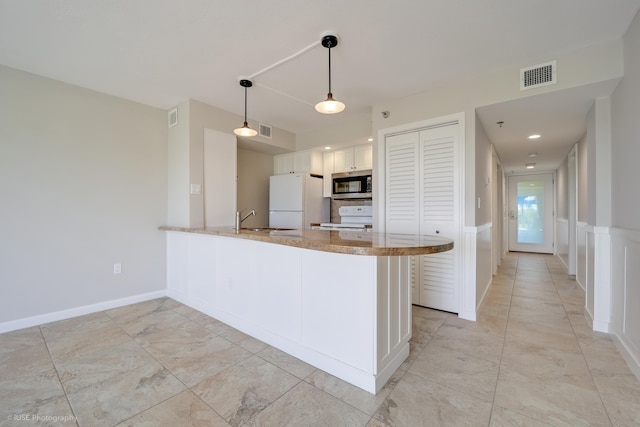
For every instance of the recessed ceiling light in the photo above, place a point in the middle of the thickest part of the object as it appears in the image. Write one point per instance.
(370, 139)
(530, 165)
(327, 148)
(533, 154)
(534, 136)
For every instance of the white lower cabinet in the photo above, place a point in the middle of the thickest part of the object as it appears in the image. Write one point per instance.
(352, 320)
(423, 196)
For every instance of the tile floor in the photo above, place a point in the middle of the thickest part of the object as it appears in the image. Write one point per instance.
(529, 360)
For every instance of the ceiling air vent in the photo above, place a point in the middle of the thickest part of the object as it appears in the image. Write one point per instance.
(172, 117)
(538, 75)
(265, 131)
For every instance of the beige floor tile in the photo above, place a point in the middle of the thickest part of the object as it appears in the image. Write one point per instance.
(25, 361)
(27, 393)
(243, 390)
(70, 327)
(287, 362)
(540, 307)
(131, 312)
(496, 297)
(204, 359)
(494, 309)
(422, 330)
(547, 363)
(501, 417)
(531, 292)
(542, 336)
(553, 402)
(20, 339)
(558, 321)
(123, 396)
(351, 394)
(469, 341)
(243, 340)
(53, 411)
(82, 341)
(150, 323)
(531, 352)
(616, 385)
(419, 402)
(89, 369)
(169, 341)
(485, 323)
(622, 413)
(305, 405)
(185, 409)
(457, 371)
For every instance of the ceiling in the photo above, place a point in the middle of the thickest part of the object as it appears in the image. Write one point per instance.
(160, 52)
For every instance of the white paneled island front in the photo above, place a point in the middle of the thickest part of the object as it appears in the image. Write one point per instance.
(338, 300)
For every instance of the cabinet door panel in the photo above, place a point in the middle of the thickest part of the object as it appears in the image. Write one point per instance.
(343, 160)
(282, 163)
(363, 157)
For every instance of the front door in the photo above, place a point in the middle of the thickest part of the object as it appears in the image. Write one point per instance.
(531, 213)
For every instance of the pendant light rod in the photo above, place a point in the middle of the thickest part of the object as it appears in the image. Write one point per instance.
(282, 61)
(329, 42)
(329, 105)
(245, 130)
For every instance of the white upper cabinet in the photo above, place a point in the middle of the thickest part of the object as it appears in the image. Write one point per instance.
(327, 170)
(307, 161)
(353, 158)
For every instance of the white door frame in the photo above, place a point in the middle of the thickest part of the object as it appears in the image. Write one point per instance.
(572, 209)
(466, 273)
(549, 221)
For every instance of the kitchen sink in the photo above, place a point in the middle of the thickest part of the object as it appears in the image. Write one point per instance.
(266, 229)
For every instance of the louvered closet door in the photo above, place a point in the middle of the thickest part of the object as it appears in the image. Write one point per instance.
(401, 194)
(439, 215)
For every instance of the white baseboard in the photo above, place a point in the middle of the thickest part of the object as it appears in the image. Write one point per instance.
(28, 322)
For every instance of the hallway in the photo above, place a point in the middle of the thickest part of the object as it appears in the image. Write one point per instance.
(529, 360)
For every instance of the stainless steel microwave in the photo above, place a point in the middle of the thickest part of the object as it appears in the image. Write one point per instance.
(351, 185)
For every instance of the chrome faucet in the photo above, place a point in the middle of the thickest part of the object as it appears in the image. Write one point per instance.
(240, 219)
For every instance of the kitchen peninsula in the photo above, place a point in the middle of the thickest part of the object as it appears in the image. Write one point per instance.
(338, 300)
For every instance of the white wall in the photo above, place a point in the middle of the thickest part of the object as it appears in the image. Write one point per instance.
(186, 145)
(625, 111)
(592, 64)
(254, 170)
(337, 133)
(83, 185)
(483, 169)
(562, 209)
(625, 205)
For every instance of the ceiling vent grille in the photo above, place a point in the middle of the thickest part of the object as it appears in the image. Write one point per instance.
(265, 131)
(172, 118)
(538, 75)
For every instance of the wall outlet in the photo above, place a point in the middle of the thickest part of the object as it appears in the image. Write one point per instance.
(117, 268)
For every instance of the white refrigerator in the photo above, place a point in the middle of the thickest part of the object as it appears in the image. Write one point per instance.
(295, 201)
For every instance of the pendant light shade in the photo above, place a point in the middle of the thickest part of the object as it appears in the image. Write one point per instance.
(329, 105)
(245, 130)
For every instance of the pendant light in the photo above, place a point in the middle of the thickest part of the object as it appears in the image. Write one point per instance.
(245, 130)
(329, 105)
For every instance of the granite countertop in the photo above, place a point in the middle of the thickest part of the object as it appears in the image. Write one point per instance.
(339, 241)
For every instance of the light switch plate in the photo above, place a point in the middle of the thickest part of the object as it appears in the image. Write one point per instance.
(196, 189)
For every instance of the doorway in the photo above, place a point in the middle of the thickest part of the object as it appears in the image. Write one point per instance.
(531, 208)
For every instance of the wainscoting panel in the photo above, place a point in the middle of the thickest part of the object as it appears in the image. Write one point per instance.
(562, 241)
(625, 294)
